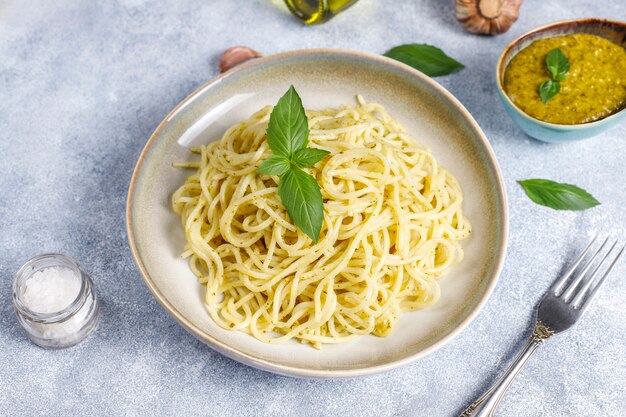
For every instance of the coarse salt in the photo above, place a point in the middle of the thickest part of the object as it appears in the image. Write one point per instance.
(51, 290)
(55, 301)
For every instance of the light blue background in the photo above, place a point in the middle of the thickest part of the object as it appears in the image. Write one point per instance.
(82, 86)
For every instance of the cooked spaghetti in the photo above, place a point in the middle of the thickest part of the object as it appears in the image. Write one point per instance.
(392, 222)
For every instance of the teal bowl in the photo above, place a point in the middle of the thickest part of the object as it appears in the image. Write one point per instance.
(552, 132)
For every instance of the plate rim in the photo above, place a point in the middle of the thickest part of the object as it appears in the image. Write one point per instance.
(295, 371)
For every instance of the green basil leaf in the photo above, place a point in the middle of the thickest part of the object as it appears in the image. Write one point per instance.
(431, 60)
(300, 194)
(557, 195)
(274, 165)
(288, 129)
(549, 89)
(560, 77)
(557, 64)
(307, 157)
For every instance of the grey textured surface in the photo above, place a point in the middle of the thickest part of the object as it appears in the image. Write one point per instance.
(83, 85)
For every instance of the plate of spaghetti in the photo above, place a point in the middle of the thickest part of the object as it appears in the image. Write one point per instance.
(412, 219)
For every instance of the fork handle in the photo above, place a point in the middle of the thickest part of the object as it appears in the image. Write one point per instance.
(486, 405)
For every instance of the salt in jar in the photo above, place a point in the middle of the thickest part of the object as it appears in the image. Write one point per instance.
(55, 301)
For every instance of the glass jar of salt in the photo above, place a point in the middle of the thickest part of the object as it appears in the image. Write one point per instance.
(55, 301)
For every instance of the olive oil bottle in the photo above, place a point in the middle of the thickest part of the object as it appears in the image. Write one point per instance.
(317, 11)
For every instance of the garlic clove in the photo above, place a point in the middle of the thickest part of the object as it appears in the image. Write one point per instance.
(489, 17)
(235, 56)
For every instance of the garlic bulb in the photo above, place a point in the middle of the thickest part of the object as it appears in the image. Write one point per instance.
(489, 17)
(235, 56)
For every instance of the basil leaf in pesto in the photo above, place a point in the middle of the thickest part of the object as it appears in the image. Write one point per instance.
(549, 89)
(558, 66)
(428, 59)
(558, 196)
(557, 63)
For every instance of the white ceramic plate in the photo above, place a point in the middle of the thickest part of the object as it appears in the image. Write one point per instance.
(323, 78)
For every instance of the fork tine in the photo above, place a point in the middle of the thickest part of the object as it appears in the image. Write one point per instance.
(595, 289)
(581, 293)
(556, 287)
(569, 291)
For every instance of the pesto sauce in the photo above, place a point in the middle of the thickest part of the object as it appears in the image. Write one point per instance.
(595, 86)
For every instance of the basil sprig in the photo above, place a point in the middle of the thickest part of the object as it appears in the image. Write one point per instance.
(429, 59)
(288, 137)
(557, 195)
(558, 66)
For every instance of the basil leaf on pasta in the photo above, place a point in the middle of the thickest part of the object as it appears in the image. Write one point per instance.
(288, 129)
(274, 165)
(300, 194)
(307, 157)
(288, 137)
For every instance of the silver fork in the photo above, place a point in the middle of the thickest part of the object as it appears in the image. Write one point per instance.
(561, 306)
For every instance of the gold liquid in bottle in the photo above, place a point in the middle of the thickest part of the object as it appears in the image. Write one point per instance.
(317, 11)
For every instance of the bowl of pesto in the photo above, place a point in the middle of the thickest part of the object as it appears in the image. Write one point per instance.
(566, 80)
